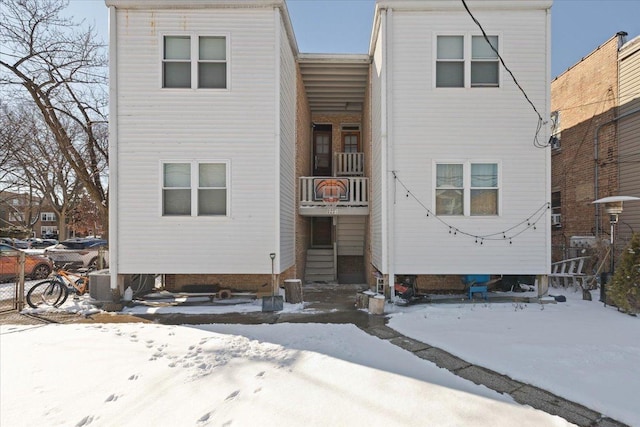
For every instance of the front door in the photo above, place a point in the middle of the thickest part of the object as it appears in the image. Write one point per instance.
(321, 228)
(322, 150)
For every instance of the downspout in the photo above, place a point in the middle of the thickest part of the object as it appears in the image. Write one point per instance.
(113, 153)
(596, 158)
(278, 186)
(384, 238)
(391, 182)
(548, 152)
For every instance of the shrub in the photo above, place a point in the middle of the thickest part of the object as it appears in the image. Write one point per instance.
(625, 285)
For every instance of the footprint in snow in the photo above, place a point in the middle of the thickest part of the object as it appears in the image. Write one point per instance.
(205, 418)
(133, 377)
(85, 421)
(112, 398)
(233, 395)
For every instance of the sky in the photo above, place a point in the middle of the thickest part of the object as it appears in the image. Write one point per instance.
(313, 374)
(344, 26)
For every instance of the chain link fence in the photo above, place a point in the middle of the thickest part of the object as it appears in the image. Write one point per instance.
(11, 281)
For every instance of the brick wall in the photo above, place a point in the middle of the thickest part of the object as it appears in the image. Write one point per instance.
(586, 96)
(242, 282)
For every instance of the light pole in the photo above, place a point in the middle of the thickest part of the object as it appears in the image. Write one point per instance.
(613, 207)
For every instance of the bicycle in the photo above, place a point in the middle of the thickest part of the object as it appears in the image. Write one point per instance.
(54, 291)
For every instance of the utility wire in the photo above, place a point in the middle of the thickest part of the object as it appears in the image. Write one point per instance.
(541, 121)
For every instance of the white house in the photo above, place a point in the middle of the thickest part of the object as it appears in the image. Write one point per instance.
(459, 186)
(229, 147)
(202, 138)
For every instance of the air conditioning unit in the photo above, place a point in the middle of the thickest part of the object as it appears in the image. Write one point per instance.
(556, 219)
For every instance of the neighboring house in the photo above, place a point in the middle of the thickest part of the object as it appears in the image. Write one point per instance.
(24, 212)
(596, 146)
(228, 145)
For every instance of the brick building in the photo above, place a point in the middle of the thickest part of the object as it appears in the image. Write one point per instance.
(596, 143)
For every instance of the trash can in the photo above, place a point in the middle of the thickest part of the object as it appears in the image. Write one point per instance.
(376, 304)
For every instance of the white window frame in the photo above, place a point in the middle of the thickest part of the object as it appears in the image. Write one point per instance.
(467, 59)
(47, 217)
(194, 187)
(194, 59)
(466, 185)
(48, 229)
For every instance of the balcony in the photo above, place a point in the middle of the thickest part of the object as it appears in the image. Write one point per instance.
(348, 164)
(330, 196)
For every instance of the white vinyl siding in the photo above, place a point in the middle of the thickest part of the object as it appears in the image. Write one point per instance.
(628, 131)
(377, 168)
(237, 125)
(287, 212)
(433, 125)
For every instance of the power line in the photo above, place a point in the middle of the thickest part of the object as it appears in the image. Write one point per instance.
(541, 121)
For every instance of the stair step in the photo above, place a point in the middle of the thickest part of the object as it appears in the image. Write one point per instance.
(319, 278)
(320, 251)
(320, 258)
(319, 264)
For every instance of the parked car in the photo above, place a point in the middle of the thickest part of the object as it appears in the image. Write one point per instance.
(36, 243)
(79, 253)
(16, 243)
(35, 266)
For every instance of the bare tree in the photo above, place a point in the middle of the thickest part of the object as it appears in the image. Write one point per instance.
(36, 163)
(58, 64)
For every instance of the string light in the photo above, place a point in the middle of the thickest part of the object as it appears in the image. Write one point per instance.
(509, 233)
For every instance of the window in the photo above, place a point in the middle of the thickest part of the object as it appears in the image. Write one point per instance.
(188, 59)
(556, 130)
(16, 217)
(467, 189)
(467, 62)
(47, 217)
(556, 208)
(484, 189)
(449, 189)
(47, 230)
(194, 189)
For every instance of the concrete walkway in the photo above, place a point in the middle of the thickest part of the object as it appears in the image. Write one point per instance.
(331, 303)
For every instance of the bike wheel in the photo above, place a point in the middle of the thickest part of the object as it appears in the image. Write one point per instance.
(50, 293)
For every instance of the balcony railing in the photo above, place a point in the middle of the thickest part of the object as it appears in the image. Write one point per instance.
(348, 164)
(328, 196)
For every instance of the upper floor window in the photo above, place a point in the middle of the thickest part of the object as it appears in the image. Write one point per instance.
(463, 61)
(194, 61)
(556, 130)
(194, 189)
(556, 208)
(467, 189)
(47, 217)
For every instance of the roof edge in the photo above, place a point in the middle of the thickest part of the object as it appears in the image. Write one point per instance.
(213, 4)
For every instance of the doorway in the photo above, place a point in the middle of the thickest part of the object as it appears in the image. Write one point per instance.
(322, 232)
(322, 150)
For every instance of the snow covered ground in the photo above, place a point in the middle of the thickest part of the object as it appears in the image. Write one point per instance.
(319, 374)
